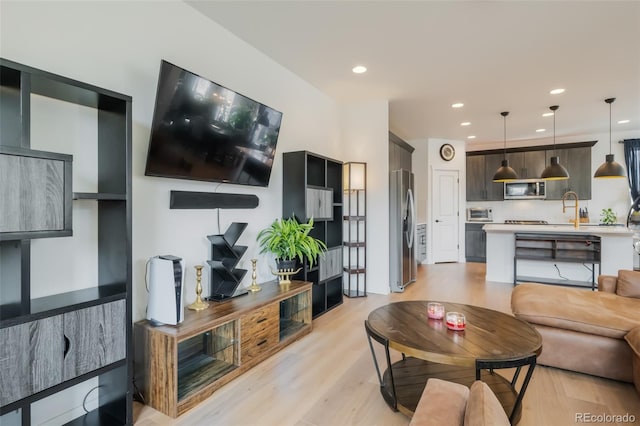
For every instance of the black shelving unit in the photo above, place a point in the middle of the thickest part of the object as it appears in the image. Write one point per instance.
(225, 255)
(565, 248)
(312, 187)
(355, 225)
(34, 331)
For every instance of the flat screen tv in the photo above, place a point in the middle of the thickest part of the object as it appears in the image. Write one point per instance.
(204, 131)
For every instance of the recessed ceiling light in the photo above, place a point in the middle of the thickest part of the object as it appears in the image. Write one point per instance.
(466, 123)
(457, 105)
(541, 130)
(471, 137)
(556, 91)
(547, 114)
(359, 69)
(623, 121)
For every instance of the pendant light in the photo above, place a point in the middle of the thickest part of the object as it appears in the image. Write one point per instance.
(610, 169)
(555, 170)
(505, 173)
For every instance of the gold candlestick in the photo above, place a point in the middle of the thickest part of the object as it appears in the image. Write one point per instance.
(198, 305)
(254, 285)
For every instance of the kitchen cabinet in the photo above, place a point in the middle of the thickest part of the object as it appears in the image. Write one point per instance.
(577, 161)
(475, 243)
(480, 171)
(527, 164)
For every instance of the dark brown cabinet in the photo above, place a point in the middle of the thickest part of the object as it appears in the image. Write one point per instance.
(480, 171)
(577, 161)
(57, 341)
(475, 243)
(528, 164)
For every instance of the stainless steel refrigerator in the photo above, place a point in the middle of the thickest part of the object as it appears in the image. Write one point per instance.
(402, 229)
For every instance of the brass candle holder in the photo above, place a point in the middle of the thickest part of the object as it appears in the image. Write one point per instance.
(254, 285)
(199, 304)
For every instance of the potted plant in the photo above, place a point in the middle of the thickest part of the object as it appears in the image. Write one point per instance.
(290, 241)
(608, 217)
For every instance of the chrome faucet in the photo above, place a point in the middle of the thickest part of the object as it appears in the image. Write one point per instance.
(576, 220)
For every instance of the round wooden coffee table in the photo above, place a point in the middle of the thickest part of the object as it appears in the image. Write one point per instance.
(491, 340)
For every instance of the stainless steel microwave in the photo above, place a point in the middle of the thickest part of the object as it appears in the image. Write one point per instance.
(523, 189)
(479, 214)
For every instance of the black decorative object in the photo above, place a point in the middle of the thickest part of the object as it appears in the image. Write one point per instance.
(555, 170)
(504, 172)
(225, 255)
(610, 168)
(211, 200)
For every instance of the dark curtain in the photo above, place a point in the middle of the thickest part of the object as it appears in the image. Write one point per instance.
(632, 159)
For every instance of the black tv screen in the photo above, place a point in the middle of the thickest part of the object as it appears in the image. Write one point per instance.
(204, 131)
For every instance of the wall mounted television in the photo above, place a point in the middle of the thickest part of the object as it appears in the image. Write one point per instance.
(204, 131)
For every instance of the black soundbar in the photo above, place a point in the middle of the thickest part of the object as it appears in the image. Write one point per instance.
(211, 200)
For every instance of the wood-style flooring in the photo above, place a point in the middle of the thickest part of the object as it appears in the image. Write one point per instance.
(328, 377)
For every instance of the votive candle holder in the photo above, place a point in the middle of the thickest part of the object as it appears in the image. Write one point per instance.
(455, 321)
(435, 310)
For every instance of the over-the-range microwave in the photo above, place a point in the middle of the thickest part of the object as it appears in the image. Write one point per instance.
(525, 189)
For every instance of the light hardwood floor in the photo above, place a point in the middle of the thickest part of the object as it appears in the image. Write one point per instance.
(328, 377)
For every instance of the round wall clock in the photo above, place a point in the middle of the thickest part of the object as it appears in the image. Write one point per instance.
(447, 152)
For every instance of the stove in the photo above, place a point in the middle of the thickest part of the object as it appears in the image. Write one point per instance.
(525, 222)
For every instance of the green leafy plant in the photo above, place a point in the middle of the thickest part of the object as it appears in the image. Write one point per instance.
(608, 217)
(288, 240)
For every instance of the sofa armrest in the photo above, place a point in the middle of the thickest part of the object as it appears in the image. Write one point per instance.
(607, 283)
(441, 403)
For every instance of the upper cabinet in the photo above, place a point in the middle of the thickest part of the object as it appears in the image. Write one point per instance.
(577, 161)
(480, 171)
(529, 164)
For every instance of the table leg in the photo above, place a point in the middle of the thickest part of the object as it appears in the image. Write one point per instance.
(388, 391)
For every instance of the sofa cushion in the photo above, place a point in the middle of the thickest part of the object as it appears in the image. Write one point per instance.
(628, 284)
(483, 408)
(441, 403)
(591, 312)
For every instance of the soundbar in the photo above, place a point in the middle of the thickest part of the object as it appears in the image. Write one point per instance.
(211, 200)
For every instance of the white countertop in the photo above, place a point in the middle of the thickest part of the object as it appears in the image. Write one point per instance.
(559, 228)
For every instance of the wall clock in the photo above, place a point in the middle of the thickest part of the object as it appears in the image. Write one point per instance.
(447, 152)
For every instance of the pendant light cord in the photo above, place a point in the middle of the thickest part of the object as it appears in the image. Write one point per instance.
(610, 126)
(505, 137)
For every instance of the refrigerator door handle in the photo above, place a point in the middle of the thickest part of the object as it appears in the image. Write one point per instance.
(411, 214)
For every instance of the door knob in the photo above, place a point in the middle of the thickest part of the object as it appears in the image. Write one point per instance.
(437, 220)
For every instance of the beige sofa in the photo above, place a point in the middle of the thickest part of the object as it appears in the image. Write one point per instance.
(450, 404)
(590, 332)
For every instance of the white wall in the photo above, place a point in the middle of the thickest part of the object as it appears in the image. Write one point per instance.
(365, 137)
(118, 46)
(605, 193)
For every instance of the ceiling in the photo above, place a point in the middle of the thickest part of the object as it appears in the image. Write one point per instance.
(422, 56)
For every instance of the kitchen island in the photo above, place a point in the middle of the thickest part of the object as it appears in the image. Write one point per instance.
(616, 252)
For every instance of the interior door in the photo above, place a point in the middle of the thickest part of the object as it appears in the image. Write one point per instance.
(446, 187)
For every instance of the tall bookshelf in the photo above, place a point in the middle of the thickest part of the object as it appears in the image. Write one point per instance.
(312, 187)
(52, 343)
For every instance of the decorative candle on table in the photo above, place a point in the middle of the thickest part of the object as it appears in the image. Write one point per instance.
(254, 285)
(455, 321)
(435, 310)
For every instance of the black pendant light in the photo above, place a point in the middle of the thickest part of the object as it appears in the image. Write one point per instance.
(610, 169)
(505, 173)
(555, 170)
